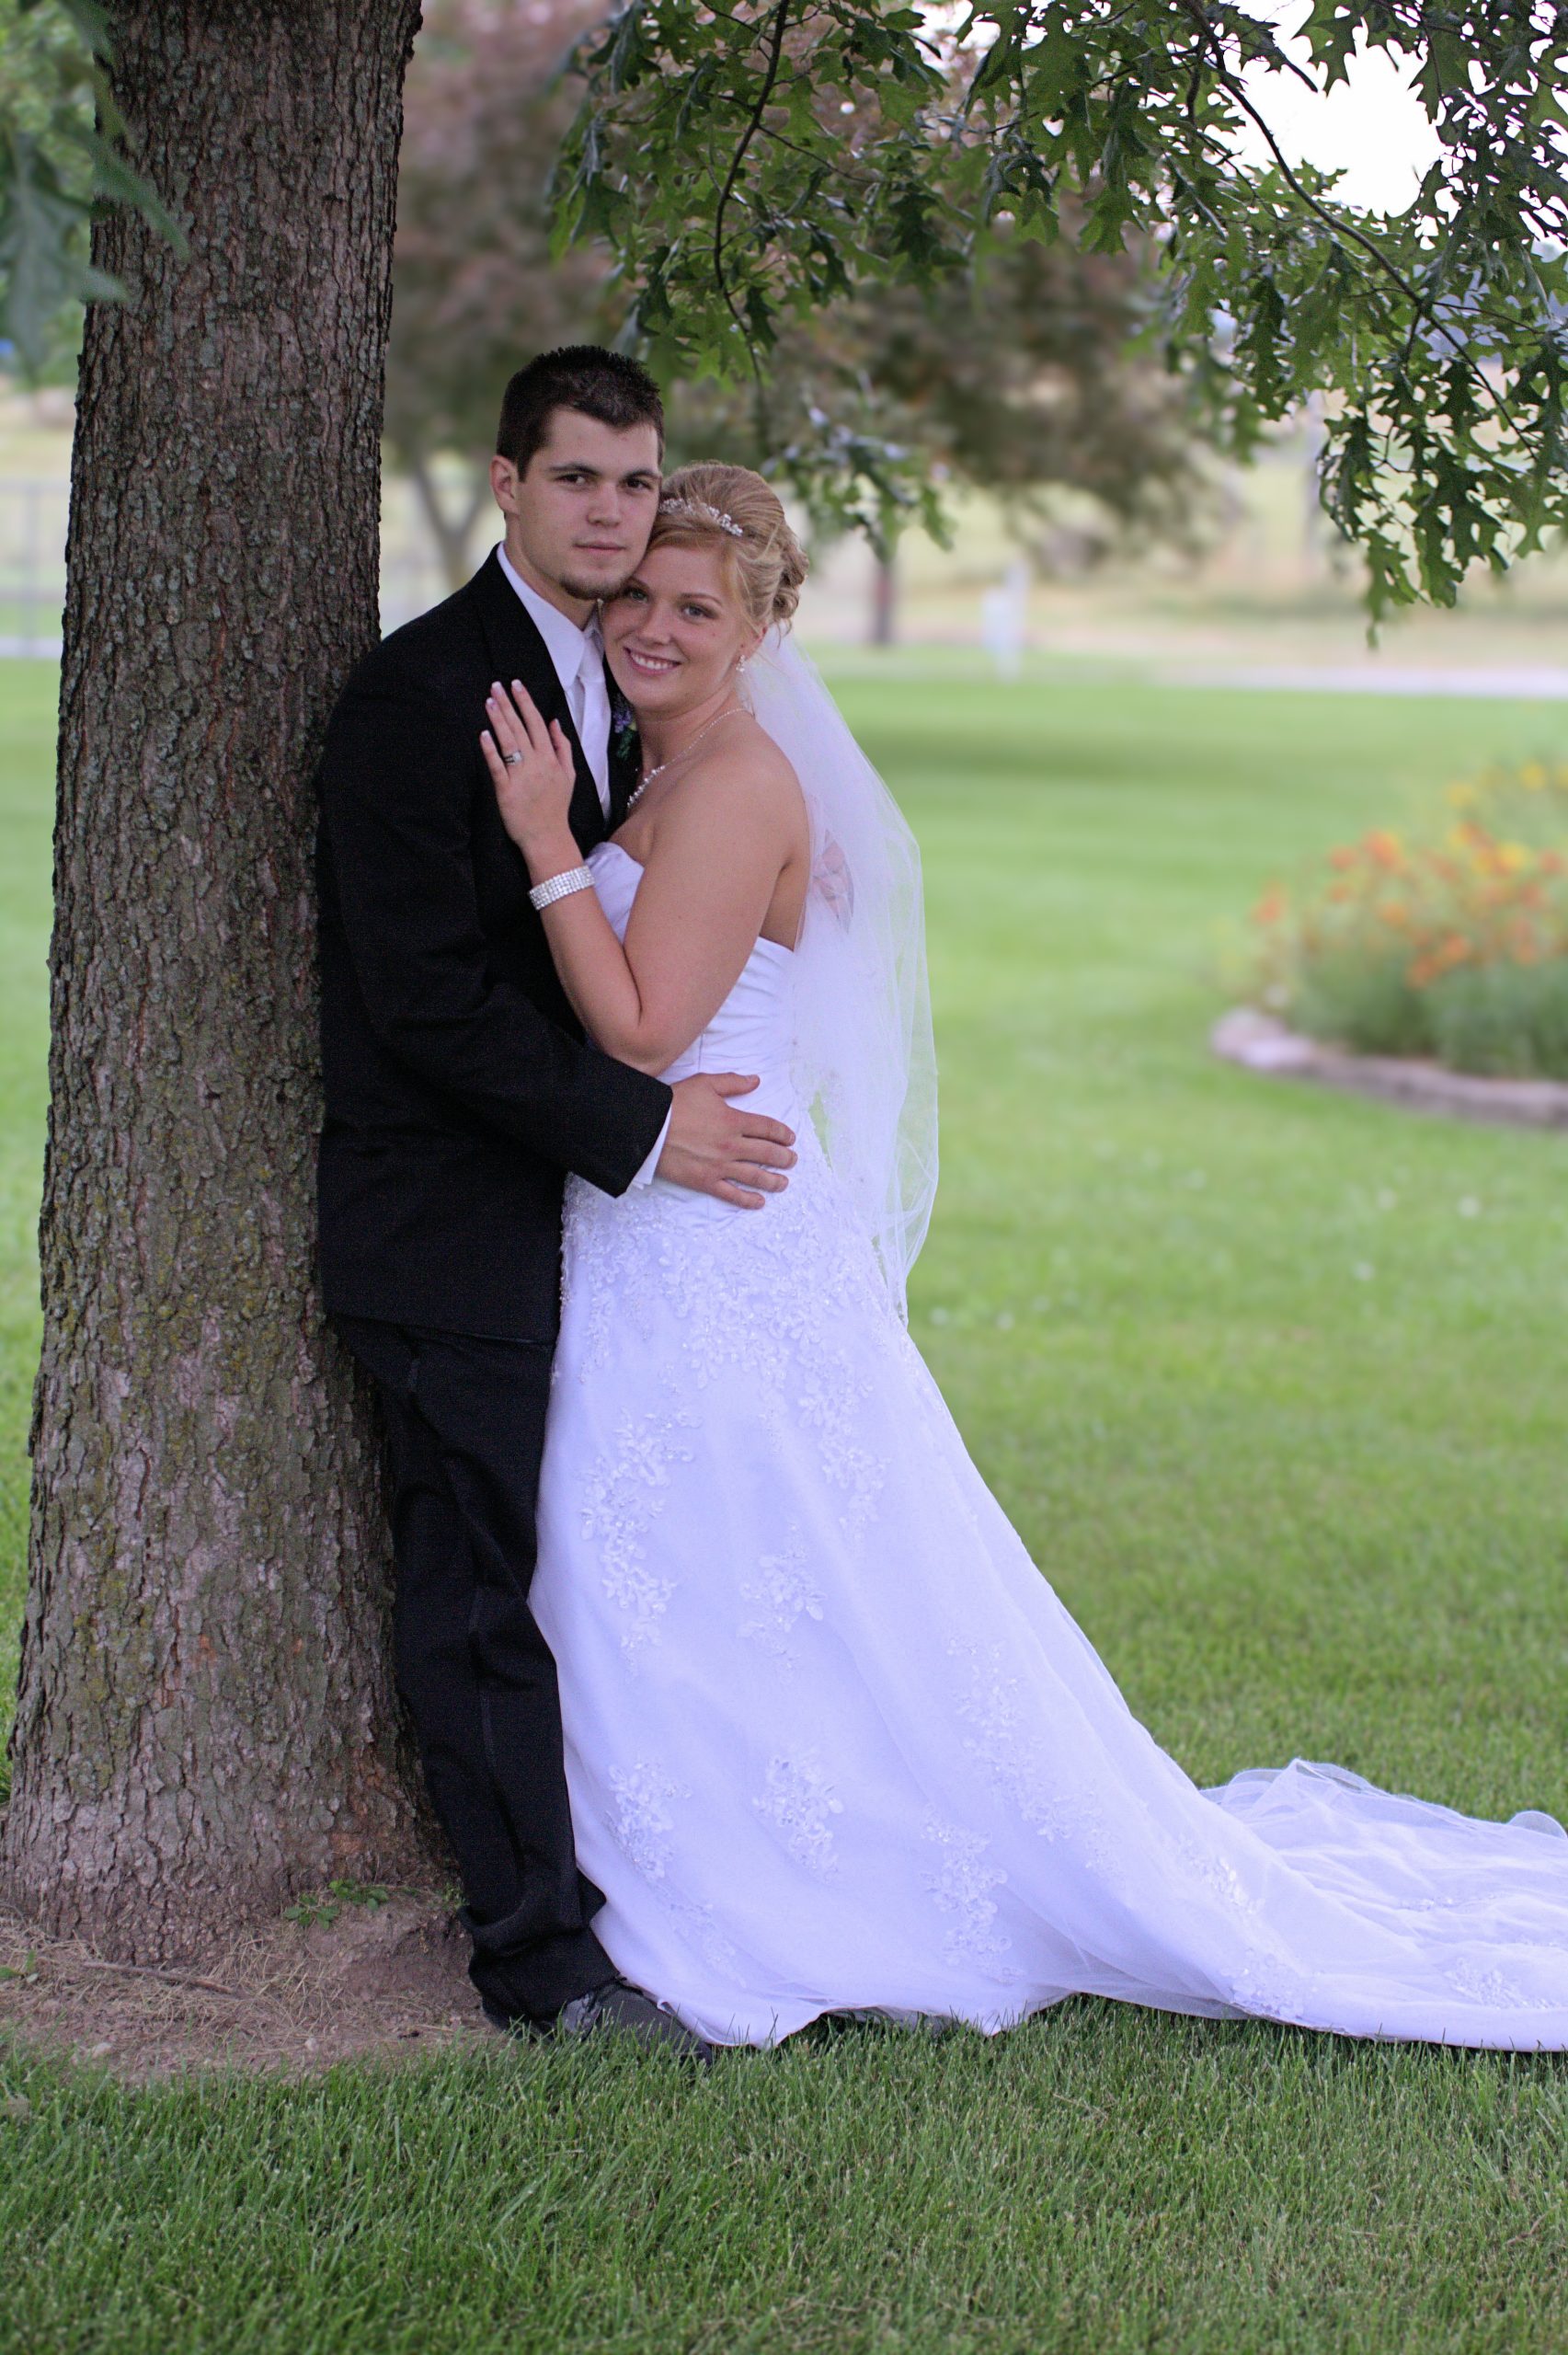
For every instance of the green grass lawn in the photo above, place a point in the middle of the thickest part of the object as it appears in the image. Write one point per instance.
(1272, 1382)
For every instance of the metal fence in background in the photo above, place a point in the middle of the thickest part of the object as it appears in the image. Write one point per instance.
(32, 565)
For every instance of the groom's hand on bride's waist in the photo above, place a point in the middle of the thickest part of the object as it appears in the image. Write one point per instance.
(719, 1148)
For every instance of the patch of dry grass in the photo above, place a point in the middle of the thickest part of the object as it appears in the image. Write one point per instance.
(372, 1982)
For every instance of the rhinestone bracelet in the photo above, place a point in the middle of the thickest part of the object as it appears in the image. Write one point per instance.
(561, 887)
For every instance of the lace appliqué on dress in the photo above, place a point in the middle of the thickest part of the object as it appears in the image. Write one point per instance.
(643, 1827)
(961, 1886)
(763, 1300)
(621, 1499)
(642, 1824)
(799, 1801)
(1004, 1736)
(1495, 1988)
(783, 1593)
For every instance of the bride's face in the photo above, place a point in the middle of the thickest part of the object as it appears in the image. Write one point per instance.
(675, 634)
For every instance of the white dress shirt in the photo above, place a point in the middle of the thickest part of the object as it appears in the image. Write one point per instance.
(576, 656)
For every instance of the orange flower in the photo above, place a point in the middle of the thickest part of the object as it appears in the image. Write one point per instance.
(1385, 849)
(1271, 907)
(1449, 953)
(1346, 855)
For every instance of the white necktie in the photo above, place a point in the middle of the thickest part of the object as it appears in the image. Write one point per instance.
(591, 713)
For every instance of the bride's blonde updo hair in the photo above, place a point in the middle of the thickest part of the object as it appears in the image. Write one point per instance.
(730, 509)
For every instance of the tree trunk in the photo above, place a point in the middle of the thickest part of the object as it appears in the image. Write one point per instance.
(884, 600)
(453, 535)
(205, 1722)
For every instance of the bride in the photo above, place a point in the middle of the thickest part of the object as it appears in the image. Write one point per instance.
(832, 1743)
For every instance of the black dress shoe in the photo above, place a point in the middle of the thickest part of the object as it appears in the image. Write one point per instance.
(620, 2005)
(617, 2005)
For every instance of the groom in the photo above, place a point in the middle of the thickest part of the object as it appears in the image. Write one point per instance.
(459, 1092)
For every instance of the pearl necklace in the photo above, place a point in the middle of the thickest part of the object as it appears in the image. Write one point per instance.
(648, 774)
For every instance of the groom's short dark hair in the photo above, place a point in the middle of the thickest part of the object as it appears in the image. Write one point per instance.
(584, 376)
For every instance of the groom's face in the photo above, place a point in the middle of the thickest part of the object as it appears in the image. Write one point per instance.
(579, 515)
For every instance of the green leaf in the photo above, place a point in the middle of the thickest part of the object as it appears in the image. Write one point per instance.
(61, 162)
(1118, 116)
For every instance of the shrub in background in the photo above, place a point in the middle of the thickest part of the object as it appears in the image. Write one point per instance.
(1450, 942)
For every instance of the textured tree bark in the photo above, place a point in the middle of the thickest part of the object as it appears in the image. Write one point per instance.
(205, 1720)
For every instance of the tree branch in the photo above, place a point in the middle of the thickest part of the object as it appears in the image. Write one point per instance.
(1337, 227)
(780, 18)
(782, 139)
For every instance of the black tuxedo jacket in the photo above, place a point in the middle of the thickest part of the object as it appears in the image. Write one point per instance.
(459, 1087)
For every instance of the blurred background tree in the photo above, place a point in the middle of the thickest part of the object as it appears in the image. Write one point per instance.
(1031, 378)
(475, 290)
(1026, 380)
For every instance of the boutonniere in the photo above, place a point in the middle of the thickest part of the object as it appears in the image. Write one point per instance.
(624, 729)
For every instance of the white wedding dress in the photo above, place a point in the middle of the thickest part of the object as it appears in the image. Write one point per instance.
(833, 1745)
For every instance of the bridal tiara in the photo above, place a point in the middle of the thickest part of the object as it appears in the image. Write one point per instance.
(699, 507)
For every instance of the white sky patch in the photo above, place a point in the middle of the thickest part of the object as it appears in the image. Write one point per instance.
(1372, 128)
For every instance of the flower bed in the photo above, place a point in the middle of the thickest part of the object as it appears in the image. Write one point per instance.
(1449, 943)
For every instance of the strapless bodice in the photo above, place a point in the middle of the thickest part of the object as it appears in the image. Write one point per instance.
(753, 1029)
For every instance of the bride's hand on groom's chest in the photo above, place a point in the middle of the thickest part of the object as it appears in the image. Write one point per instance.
(531, 766)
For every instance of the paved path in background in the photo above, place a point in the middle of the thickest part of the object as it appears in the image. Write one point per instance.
(1523, 683)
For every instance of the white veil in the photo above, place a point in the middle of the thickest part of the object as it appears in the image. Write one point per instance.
(864, 1059)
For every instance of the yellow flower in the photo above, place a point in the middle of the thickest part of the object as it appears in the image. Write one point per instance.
(1532, 777)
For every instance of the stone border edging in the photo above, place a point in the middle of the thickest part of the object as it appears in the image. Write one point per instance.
(1260, 1043)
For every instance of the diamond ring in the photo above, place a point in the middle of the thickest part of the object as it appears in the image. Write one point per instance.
(510, 760)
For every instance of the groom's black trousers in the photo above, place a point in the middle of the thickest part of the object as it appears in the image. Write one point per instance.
(466, 1425)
